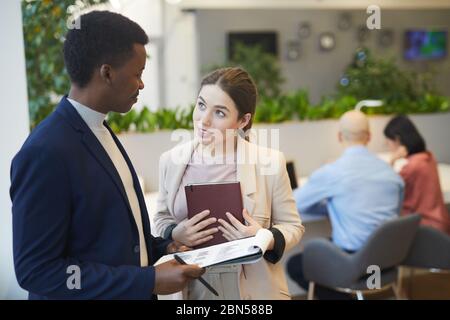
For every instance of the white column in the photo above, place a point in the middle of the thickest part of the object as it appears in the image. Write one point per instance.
(171, 75)
(148, 14)
(181, 67)
(172, 72)
(13, 132)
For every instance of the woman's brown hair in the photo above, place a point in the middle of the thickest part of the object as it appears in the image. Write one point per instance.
(238, 84)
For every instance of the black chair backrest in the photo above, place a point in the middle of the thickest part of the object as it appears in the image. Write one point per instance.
(430, 249)
(389, 244)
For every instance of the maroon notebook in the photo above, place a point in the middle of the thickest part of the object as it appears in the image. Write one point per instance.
(219, 198)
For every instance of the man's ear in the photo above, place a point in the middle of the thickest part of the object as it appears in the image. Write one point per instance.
(106, 73)
(340, 137)
(245, 120)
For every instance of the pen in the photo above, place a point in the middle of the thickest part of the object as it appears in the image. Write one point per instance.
(206, 284)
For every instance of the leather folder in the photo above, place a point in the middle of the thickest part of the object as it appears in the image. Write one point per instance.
(219, 198)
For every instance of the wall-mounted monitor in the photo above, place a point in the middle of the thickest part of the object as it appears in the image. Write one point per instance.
(267, 40)
(425, 44)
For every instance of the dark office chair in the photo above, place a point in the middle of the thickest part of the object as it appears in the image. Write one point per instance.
(430, 250)
(326, 264)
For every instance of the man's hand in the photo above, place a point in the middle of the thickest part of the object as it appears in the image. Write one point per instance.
(171, 277)
(190, 231)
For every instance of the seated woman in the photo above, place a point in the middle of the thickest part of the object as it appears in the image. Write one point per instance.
(224, 110)
(423, 192)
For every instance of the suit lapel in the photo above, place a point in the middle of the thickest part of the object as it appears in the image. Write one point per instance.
(136, 184)
(91, 142)
(94, 147)
(246, 173)
(177, 168)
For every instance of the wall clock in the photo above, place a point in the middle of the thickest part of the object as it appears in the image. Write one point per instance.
(327, 41)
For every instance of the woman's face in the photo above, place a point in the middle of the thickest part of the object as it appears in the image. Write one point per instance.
(393, 145)
(214, 113)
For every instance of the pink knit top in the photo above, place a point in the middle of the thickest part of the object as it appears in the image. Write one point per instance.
(203, 169)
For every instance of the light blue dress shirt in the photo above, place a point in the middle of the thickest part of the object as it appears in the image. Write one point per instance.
(360, 192)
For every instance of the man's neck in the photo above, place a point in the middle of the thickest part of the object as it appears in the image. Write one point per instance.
(354, 144)
(86, 97)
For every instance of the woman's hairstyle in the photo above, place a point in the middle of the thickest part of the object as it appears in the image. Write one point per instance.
(238, 84)
(401, 128)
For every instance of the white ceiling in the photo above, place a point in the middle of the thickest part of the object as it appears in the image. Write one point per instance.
(312, 4)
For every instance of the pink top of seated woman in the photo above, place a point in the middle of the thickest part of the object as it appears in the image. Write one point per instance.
(423, 192)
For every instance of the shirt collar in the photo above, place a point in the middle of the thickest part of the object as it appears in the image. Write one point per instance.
(357, 149)
(93, 119)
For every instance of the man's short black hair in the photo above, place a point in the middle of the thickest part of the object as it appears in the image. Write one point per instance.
(104, 37)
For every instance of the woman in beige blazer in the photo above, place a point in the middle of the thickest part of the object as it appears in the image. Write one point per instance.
(226, 104)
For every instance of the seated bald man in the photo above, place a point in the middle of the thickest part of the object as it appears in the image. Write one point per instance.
(359, 191)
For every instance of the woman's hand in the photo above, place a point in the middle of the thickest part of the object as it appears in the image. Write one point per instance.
(399, 153)
(176, 246)
(237, 230)
(188, 231)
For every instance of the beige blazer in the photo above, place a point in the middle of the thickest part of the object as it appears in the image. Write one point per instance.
(267, 195)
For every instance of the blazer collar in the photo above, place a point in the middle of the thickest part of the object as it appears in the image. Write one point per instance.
(180, 158)
(246, 172)
(247, 154)
(66, 110)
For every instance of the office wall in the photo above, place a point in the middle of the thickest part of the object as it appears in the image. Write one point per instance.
(13, 131)
(317, 71)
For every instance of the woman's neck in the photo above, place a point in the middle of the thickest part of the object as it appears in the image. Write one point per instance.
(220, 150)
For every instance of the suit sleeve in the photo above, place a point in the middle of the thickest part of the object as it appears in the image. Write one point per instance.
(41, 205)
(285, 217)
(164, 221)
(159, 247)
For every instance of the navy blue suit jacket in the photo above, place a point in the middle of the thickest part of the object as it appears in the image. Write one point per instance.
(70, 208)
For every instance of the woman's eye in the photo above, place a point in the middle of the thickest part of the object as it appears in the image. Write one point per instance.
(220, 114)
(201, 106)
